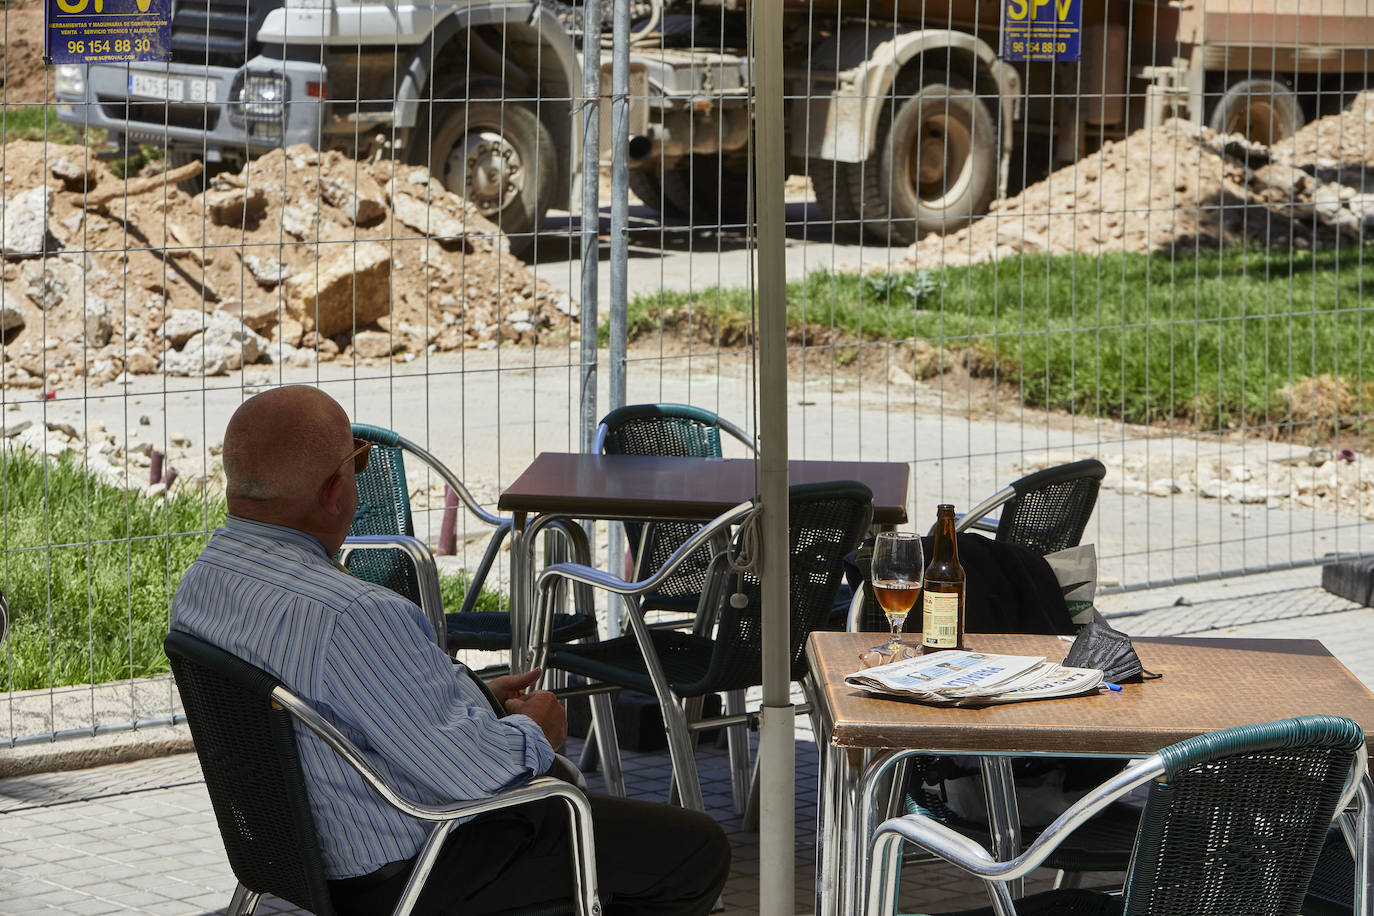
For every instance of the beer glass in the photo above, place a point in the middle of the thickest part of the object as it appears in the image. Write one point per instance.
(898, 569)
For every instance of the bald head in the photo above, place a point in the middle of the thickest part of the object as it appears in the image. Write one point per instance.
(280, 447)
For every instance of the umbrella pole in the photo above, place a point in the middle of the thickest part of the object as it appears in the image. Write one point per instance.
(777, 861)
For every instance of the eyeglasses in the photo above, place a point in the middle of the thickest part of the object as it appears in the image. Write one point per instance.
(361, 449)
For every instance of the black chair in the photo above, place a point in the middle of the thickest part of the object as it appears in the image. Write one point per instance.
(1234, 823)
(723, 653)
(668, 430)
(244, 724)
(1046, 511)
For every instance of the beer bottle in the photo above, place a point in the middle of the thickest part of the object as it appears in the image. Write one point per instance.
(942, 599)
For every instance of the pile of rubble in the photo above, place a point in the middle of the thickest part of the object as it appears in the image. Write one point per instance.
(302, 256)
(1339, 481)
(1178, 187)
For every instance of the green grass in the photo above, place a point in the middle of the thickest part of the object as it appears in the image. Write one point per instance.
(89, 572)
(128, 166)
(1207, 337)
(31, 122)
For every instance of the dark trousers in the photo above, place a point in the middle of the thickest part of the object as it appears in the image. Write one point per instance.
(651, 859)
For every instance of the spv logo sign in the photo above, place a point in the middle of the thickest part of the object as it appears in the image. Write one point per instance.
(1041, 29)
(80, 6)
(107, 31)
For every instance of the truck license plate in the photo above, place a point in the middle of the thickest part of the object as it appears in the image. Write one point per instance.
(171, 89)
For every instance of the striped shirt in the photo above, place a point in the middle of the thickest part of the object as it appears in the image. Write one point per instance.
(365, 659)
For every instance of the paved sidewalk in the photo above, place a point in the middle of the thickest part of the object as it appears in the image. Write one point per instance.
(140, 837)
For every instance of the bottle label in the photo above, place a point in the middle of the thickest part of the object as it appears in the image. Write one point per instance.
(940, 619)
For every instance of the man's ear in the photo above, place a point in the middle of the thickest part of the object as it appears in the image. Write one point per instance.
(332, 493)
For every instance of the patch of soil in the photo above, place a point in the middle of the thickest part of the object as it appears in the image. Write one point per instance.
(23, 78)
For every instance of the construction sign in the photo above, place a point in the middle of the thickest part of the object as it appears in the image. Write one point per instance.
(104, 31)
(1041, 29)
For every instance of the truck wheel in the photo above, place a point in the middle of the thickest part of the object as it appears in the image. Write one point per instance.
(1260, 110)
(831, 183)
(500, 157)
(646, 186)
(935, 167)
(709, 192)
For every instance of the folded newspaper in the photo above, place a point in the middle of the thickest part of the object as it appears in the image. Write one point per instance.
(961, 678)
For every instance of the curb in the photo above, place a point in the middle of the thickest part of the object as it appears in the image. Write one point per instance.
(95, 751)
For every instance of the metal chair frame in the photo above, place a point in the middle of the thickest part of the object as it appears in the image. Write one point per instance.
(681, 715)
(445, 817)
(573, 544)
(675, 720)
(882, 862)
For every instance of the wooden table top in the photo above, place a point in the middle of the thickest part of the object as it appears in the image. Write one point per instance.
(644, 486)
(1208, 684)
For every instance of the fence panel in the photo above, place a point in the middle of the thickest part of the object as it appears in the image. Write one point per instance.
(1152, 254)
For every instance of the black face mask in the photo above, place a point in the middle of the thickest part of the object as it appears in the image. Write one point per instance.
(1099, 646)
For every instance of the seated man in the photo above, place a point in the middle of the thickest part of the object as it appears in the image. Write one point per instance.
(267, 590)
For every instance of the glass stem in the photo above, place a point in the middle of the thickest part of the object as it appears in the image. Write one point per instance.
(895, 623)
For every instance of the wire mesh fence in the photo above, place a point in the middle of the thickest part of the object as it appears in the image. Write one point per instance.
(483, 225)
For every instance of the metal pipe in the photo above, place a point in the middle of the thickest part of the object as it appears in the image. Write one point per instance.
(778, 785)
(1004, 815)
(591, 217)
(620, 251)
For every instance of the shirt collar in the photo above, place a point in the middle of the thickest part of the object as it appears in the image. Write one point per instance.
(249, 528)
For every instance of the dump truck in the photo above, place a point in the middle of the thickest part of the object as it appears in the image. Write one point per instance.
(906, 115)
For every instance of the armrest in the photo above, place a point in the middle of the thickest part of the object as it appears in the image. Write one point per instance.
(854, 621)
(426, 573)
(538, 788)
(550, 577)
(974, 518)
(451, 479)
(957, 849)
(444, 816)
(596, 578)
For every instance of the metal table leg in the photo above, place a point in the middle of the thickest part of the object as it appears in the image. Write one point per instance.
(829, 827)
(1364, 848)
(1004, 817)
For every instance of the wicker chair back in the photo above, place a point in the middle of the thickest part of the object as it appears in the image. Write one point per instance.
(247, 750)
(1239, 820)
(383, 509)
(1051, 507)
(676, 431)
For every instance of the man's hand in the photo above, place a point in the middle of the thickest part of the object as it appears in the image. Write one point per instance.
(543, 707)
(508, 686)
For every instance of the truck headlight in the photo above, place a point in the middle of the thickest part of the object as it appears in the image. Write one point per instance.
(261, 108)
(263, 96)
(70, 79)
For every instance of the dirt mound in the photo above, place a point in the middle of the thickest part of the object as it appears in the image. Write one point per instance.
(23, 78)
(300, 256)
(1344, 140)
(1175, 187)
